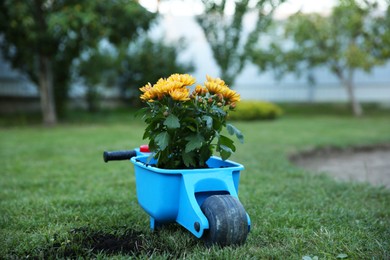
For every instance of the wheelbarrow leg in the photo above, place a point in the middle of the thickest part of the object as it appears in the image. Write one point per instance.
(154, 224)
(190, 215)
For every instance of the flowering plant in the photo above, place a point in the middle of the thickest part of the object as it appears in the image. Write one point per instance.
(184, 127)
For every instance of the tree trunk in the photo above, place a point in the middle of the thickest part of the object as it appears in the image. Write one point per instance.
(349, 86)
(46, 91)
(356, 107)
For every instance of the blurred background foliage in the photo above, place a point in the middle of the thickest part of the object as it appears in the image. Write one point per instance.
(248, 110)
(147, 60)
(107, 44)
(44, 38)
(129, 67)
(349, 39)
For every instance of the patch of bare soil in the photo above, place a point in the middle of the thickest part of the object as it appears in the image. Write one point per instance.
(88, 243)
(363, 164)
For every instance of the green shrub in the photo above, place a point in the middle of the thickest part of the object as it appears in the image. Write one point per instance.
(256, 110)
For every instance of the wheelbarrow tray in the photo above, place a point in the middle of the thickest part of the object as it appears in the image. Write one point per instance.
(175, 195)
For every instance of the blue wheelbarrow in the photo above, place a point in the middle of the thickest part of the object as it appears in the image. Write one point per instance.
(204, 201)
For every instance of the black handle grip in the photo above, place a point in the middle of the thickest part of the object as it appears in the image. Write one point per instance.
(118, 155)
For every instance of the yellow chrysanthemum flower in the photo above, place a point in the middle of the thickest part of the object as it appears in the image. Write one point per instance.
(163, 87)
(174, 85)
(215, 85)
(214, 88)
(231, 96)
(160, 84)
(200, 90)
(185, 79)
(216, 80)
(146, 88)
(180, 94)
(160, 88)
(149, 94)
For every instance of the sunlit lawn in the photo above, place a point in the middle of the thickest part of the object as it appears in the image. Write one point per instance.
(57, 195)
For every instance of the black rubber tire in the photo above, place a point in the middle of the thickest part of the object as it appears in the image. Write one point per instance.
(228, 223)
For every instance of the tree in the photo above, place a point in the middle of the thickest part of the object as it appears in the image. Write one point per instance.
(381, 30)
(148, 60)
(42, 38)
(129, 67)
(349, 39)
(99, 66)
(226, 35)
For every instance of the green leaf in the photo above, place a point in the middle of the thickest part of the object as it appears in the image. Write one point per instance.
(150, 157)
(188, 159)
(141, 112)
(193, 129)
(162, 140)
(225, 146)
(148, 130)
(209, 121)
(146, 135)
(234, 131)
(342, 256)
(172, 122)
(225, 152)
(230, 129)
(218, 111)
(152, 145)
(226, 141)
(195, 142)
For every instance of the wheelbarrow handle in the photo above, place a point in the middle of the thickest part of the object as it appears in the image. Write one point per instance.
(118, 155)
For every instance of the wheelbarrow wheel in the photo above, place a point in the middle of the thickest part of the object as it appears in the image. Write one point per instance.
(228, 223)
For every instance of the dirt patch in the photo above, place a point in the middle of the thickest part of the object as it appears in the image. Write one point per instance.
(88, 243)
(85, 242)
(363, 164)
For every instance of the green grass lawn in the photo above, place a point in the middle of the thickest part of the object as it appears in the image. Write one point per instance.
(58, 199)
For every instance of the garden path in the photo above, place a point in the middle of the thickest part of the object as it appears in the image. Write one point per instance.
(363, 164)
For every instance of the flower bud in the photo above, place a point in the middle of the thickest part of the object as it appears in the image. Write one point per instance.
(166, 113)
(210, 100)
(232, 105)
(219, 104)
